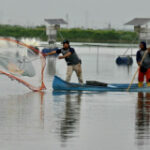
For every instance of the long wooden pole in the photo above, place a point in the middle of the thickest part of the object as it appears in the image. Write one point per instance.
(137, 70)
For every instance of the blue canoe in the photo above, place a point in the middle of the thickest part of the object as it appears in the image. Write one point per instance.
(61, 85)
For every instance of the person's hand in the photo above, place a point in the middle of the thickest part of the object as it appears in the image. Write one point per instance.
(148, 50)
(139, 63)
(60, 57)
(44, 54)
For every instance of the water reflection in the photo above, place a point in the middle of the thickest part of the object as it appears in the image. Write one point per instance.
(71, 116)
(143, 119)
(51, 66)
(21, 116)
(41, 96)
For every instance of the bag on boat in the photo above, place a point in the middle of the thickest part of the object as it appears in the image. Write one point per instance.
(96, 83)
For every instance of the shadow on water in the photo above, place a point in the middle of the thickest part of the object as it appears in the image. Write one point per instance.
(128, 68)
(143, 119)
(71, 115)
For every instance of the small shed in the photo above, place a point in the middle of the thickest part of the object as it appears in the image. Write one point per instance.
(53, 25)
(142, 27)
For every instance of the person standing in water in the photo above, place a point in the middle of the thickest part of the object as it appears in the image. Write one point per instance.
(144, 69)
(72, 60)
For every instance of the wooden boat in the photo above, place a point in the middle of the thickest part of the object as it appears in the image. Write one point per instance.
(61, 85)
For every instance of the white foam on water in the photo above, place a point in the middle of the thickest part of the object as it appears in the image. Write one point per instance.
(31, 41)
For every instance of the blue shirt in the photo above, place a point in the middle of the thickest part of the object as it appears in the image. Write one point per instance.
(70, 50)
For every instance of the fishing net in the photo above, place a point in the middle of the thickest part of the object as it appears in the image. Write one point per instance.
(22, 63)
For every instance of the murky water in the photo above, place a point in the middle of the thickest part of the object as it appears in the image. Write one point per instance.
(78, 120)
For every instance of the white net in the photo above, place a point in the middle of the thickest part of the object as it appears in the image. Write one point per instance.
(22, 62)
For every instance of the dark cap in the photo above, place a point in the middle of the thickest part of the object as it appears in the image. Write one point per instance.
(144, 44)
(66, 41)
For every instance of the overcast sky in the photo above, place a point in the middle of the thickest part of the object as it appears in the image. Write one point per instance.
(86, 13)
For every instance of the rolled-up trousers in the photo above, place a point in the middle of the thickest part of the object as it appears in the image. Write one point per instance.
(78, 70)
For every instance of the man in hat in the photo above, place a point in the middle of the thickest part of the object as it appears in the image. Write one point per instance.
(72, 60)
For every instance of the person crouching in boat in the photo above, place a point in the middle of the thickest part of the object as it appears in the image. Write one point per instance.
(144, 69)
(72, 59)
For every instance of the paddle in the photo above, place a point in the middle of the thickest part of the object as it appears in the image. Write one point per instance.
(137, 70)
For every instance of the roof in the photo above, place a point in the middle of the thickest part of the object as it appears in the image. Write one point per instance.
(138, 21)
(56, 21)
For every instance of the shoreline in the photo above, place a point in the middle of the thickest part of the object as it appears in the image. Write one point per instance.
(74, 34)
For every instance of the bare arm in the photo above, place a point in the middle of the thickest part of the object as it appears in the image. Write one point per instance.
(139, 63)
(148, 50)
(51, 53)
(66, 55)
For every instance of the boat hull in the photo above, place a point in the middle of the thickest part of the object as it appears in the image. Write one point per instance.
(61, 85)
